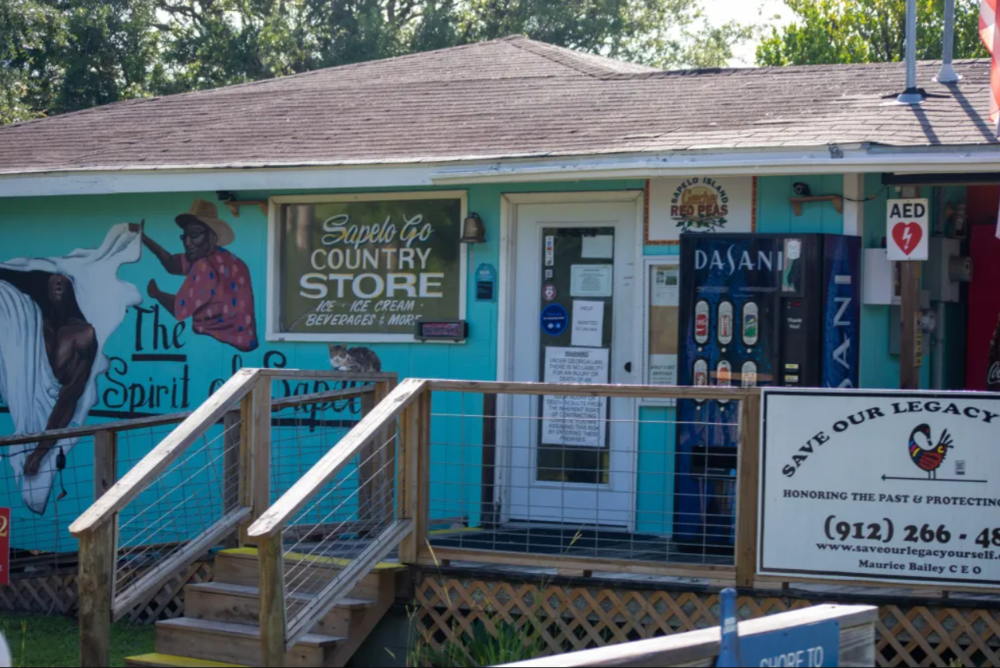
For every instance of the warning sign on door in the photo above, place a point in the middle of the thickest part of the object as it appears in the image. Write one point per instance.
(909, 228)
(575, 421)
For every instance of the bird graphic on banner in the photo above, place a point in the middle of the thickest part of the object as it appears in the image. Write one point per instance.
(927, 456)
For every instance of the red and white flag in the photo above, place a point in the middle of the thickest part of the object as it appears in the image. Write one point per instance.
(990, 34)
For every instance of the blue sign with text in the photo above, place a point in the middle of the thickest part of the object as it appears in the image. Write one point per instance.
(555, 319)
(486, 282)
(806, 645)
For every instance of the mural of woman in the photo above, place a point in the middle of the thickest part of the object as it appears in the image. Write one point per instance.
(216, 293)
(58, 313)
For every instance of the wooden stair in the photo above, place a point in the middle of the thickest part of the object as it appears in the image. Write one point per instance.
(220, 626)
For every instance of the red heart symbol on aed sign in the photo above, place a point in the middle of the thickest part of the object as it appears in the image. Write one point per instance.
(907, 236)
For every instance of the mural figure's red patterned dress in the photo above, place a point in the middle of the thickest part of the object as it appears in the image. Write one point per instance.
(217, 296)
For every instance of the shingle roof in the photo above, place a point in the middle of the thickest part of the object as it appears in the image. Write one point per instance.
(505, 98)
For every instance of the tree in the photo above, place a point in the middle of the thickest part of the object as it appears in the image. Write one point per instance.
(63, 55)
(863, 31)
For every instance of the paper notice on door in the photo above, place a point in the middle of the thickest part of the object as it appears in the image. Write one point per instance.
(588, 323)
(663, 369)
(590, 280)
(665, 289)
(600, 247)
(575, 421)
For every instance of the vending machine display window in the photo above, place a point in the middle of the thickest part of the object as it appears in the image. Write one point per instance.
(662, 313)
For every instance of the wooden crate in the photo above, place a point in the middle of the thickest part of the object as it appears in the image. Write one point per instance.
(56, 594)
(571, 617)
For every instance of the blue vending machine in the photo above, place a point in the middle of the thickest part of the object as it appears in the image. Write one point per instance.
(756, 309)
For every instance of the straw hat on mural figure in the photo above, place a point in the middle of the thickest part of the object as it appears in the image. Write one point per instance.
(216, 293)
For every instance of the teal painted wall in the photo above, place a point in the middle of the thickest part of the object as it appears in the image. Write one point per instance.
(33, 227)
(56, 226)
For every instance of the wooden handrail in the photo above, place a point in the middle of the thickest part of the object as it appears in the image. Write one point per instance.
(170, 448)
(594, 390)
(177, 418)
(857, 641)
(284, 509)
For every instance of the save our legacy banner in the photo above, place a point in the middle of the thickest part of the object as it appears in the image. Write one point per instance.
(889, 486)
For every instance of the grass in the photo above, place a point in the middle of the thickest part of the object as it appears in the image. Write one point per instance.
(41, 640)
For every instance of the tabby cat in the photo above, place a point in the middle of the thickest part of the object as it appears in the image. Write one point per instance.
(355, 360)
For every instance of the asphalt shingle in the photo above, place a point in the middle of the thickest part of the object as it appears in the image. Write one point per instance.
(506, 98)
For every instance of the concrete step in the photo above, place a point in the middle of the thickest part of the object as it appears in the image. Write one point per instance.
(228, 642)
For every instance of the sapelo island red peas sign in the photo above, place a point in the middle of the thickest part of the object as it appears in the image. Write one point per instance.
(909, 229)
(367, 267)
(891, 486)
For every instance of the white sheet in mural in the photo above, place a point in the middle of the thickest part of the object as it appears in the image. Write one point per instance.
(26, 379)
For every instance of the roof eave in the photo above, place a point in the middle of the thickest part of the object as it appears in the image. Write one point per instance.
(468, 170)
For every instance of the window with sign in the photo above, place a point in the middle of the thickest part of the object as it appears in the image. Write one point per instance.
(663, 299)
(365, 267)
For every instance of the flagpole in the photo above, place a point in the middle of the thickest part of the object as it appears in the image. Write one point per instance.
(947, 73)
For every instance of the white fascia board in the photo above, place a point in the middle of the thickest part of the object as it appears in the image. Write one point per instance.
(692, 162)
(816, 161)
(163, 181)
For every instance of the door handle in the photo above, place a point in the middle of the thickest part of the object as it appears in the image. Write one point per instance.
(628, 367)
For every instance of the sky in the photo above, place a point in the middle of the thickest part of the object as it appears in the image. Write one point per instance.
(757, 12)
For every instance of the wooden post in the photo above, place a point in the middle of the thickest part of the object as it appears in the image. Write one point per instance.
(386, 459)
(421, 482)
(368, 492)
(105, 461)
(261, 446)
(488, 513)
(272, 601)
(909, 369)
(747, 488)
(410, 429)
(95, 583)
(231, 470)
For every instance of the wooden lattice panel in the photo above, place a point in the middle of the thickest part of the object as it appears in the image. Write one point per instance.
(57, 595)
(580, 617)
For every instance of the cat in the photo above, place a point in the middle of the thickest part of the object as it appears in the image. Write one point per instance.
(355, 360)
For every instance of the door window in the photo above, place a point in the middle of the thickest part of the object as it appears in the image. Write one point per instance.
(577, 288)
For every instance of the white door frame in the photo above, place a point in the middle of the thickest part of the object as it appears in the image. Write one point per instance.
(509, 204)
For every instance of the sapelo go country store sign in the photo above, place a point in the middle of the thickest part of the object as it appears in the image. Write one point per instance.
(881, 486)
(368, 267)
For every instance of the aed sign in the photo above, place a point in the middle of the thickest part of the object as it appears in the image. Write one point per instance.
(806, 645)
(908, 224)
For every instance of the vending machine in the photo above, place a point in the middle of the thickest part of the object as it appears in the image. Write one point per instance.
(755, 309)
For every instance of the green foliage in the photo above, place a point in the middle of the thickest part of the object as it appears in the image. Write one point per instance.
(44, 640)
(64, 55)
(511, 644)
(864, 31)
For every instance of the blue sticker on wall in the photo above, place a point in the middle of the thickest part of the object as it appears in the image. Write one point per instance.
(554, 319)
(486, 280)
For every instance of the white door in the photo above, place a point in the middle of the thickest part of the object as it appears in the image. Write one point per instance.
(572, 459)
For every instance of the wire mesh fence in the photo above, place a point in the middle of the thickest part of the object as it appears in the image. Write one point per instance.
(180, 504)
(44, 503)
(593, 477)
(302, 430)
(335, 530)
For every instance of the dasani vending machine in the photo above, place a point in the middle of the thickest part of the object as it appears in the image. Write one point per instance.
(756, 309)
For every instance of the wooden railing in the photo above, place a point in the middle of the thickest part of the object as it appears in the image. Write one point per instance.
(701, 648)
(243, 406)
(741, 566)
(389, 433)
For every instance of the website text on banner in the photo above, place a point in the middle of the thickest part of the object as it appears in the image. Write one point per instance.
(881, 486)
